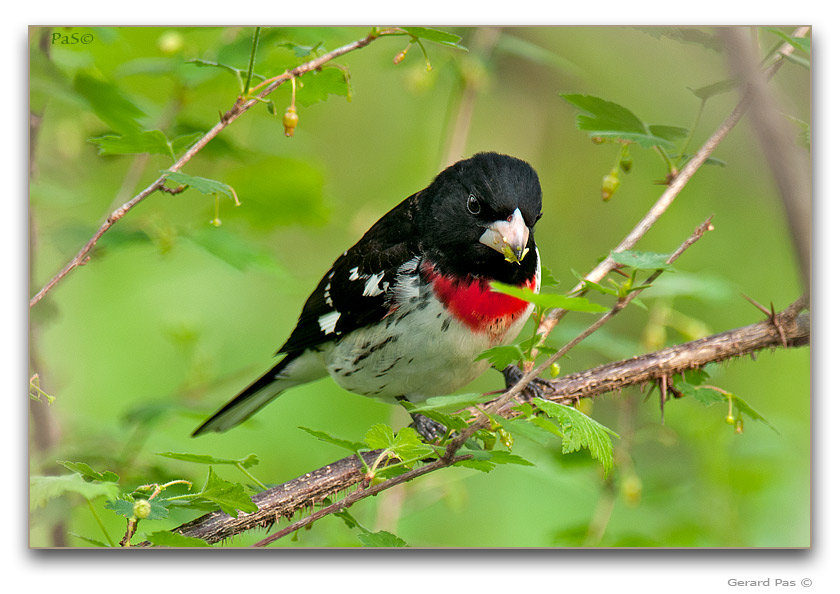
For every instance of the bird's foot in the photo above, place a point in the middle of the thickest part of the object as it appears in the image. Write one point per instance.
(431, 431)
(536, 388)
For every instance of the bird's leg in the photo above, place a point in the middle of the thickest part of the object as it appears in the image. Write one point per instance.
(428, 429)
(536, 388)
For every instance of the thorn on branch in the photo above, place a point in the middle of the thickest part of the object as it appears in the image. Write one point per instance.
(771, 316)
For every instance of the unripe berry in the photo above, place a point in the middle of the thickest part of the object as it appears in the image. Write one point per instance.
(609, 185)
(142, 509)
(290, 120)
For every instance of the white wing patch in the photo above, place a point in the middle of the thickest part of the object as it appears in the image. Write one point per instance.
(372, 288)
(328, 321)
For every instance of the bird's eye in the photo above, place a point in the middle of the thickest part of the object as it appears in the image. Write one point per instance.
(473, 205)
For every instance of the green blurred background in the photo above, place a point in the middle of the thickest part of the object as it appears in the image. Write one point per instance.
(173, 315)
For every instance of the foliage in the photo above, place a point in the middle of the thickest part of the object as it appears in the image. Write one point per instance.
(175, 310)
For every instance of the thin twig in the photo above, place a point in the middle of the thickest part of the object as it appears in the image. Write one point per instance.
(284, 500)
(239, 108)
(598, 273)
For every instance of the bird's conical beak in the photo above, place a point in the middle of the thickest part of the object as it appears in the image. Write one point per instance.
(508, 237)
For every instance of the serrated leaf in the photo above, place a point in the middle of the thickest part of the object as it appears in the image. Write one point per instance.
(606, 119)
(165, 538)
(125, 507)
(247, 462)
(87, 471)
(524, 428)
(318, 85)
(642, 260)
(501, 356)
(381, 539)
(44, 488)
(581, 431)
(353, 446)
(201, 184)
(451, 403)
(409, 446)
(122, 507)
(435, 36)
(379, 437)
(229, 496)
(549, 300)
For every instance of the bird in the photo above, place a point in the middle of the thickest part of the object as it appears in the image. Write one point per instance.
(403, 314)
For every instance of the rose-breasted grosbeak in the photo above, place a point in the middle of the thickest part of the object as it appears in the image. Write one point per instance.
(404, 312)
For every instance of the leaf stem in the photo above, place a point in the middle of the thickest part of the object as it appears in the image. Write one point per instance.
(251, 60)
(101, 525)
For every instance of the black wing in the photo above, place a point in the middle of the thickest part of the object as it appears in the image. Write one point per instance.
(356, 290)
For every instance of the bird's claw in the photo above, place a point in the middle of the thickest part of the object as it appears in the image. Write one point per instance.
(536, 388)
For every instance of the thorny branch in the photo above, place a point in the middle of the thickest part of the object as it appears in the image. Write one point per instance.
(313, 488)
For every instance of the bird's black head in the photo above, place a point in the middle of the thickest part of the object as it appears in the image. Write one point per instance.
(477, 218)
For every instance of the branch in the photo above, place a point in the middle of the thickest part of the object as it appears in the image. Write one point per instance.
(788, 164)
(312, 488)
(607, 265)
(240, 107)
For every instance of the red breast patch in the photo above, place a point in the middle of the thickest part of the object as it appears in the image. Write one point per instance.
(475, 304)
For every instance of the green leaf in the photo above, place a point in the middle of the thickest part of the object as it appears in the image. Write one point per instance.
(516, 46)
(230, 497)
(90, 541)
(406, 444)
(642, 260)
(125, 507)
(318, 85)
(803, 44)
(247, 462)
(549, 300)
(605, 119)
(547, 279)
(185, 141)
(505, 457)
(201, 184)
(381, 539)
(44, 488)
(502, 356)
(353, 446)
(379, 437)
(750, 412)
(164, 538)
(109, 103)
(717, 88)
(233, 249)
(580, 431)
(153, 142)
(87, 471)
(451, 403)
(690, 385)
(122, 507)
(435, 36)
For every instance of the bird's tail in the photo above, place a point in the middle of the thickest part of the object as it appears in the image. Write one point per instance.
(294, 369)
